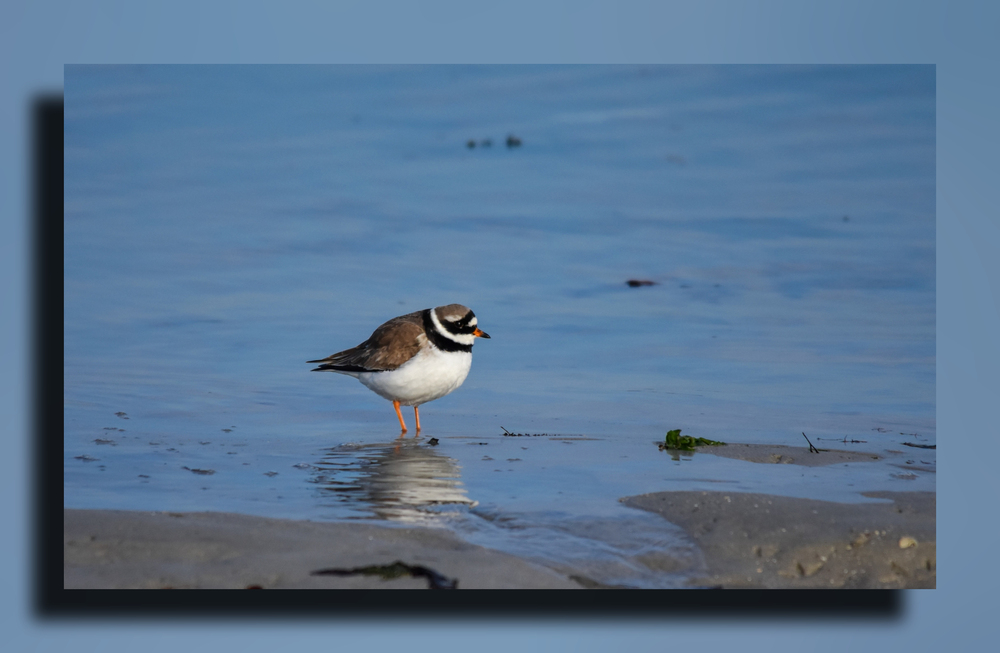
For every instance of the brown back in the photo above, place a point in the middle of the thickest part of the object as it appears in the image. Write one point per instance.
(391, 345)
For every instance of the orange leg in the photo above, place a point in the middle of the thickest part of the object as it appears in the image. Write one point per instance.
(416, 415)
(395, 404)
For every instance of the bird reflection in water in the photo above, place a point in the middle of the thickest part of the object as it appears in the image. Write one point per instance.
(404, 480)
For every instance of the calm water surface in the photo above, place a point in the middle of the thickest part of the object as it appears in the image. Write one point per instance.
(226, 224)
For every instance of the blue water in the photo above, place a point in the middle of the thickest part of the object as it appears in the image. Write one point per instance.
(226, 224)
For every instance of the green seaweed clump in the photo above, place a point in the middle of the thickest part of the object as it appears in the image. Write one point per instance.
(686, 442)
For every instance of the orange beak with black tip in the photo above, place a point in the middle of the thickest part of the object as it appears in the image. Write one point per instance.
(481, 334)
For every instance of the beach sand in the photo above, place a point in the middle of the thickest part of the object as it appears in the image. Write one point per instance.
(744, 541)
(767, 541)
(159, 550)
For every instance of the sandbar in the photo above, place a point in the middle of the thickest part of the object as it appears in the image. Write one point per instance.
(764, 541)
(118, 549)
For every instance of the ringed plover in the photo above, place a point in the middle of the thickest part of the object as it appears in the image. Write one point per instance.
(413, 358)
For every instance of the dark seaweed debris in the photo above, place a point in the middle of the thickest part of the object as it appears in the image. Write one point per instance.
(203, 472)
(675, 440)
(435, 580)
(508, 434)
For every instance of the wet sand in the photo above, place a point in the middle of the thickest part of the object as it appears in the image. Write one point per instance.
(780, 454)
(744, 540)
(116, 549)
(766, 541)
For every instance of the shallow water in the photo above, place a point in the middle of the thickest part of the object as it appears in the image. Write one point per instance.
(226, 224)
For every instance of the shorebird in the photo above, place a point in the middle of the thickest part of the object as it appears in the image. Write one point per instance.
(413, 358)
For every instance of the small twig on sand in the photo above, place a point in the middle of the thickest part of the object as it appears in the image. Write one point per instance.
(920, 446)
(506, 431)
(812, 449)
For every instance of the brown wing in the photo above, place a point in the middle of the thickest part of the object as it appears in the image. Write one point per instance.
(392, 344)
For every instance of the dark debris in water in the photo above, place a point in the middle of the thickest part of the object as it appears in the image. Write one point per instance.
(203, 472)
(122, 415)
(508, 434)
(433, 442)
(812, 449)
(398, 569)
(636, 283)
(920, 446)
(104, 441)
(676, 441)
(85, 458)
(271, 474)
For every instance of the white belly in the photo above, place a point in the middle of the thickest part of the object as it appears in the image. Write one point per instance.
(429, 375)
